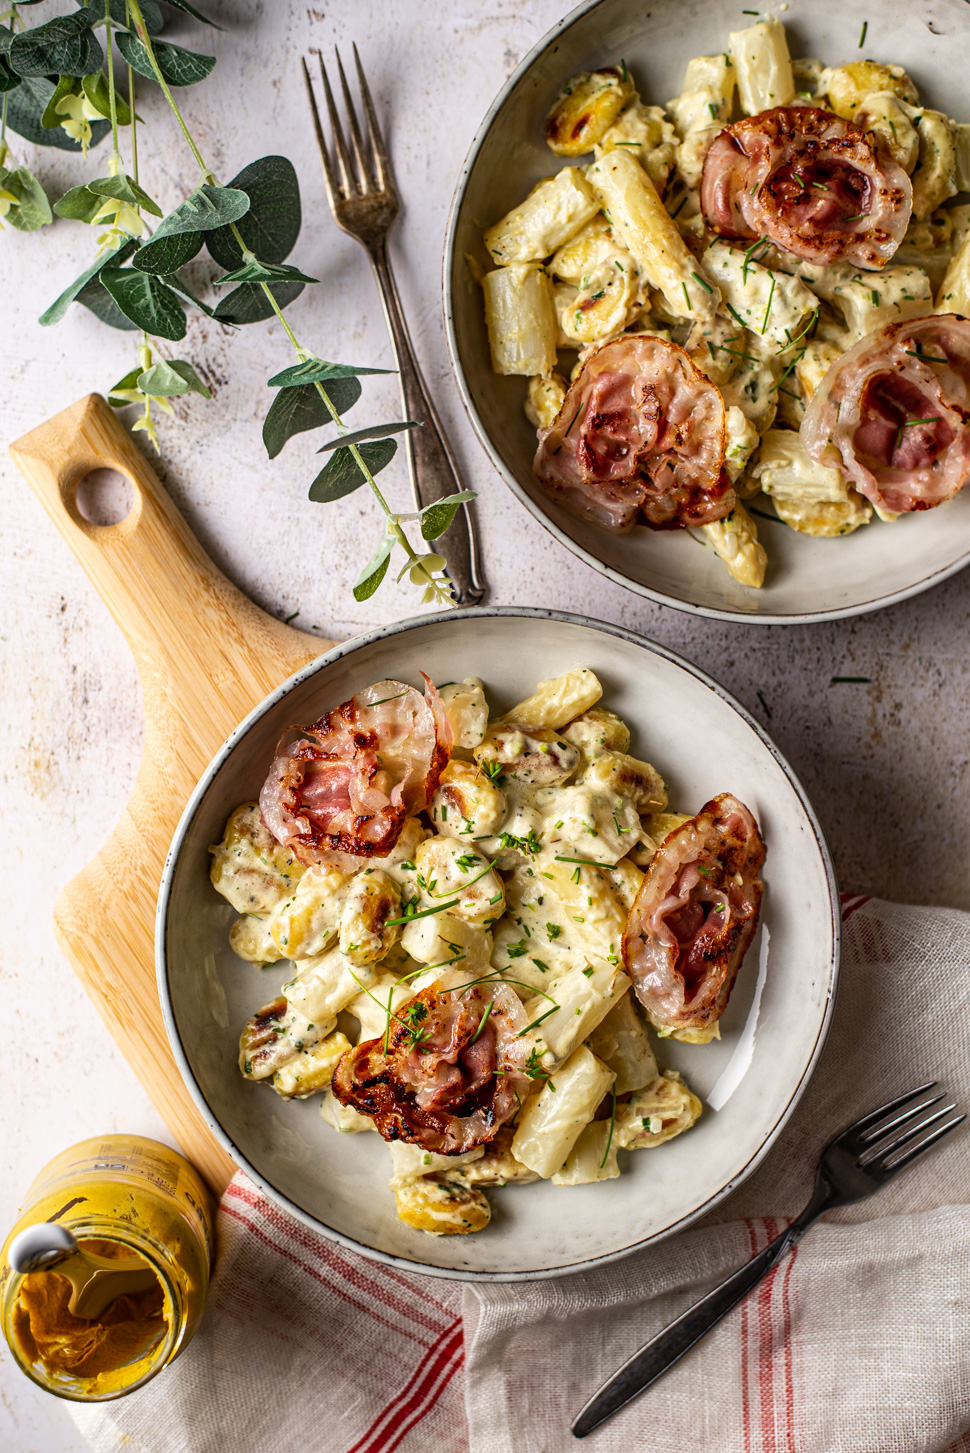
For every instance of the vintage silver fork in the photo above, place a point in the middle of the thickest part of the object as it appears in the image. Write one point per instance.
(859, 1161)
(364, 203)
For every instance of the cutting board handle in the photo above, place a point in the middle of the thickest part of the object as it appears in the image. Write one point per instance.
(206, 656)
(149, 569)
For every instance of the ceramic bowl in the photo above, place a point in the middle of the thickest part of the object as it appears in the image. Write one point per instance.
(703, 742)
(808, 579)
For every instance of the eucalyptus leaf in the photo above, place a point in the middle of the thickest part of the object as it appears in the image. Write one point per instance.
(9, 80)
(78, 205)
(317, 370)
(249, 304)
(163, 255)
(33, 209)
(168, 378)
(435, 518)
(341, 474)
(124, 189)
(96, 297)
(146, 301)
(66, 86)
(62, 46)
(95, 88)
(179, 67)
(265, 272)
(150, 13)
(207, 207)
(374, 431)
(130, 381)
(176, 282)
(59, 307)
(189, 10)
(27, 105)
(272, 224)
(374, 571)
(296, 410)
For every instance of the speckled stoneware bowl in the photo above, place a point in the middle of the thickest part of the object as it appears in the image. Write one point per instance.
(703, 742)
(808, 579)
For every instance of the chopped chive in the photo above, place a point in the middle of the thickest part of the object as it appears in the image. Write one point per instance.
(687, 298)
(862, 37)
(835, 680)
(736, 316)
(765, 706)
(930, 357)
(291, 617)
(425, 912)
(609, 1140)
(389, 698)
(768, 305)
(702, 282)
(481, 1023)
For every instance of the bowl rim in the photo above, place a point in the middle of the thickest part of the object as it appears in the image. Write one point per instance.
(895, 597)
(321, 664)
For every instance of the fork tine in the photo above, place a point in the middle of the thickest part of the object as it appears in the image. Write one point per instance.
(330, 180)
(363, 171)
(901, 1119)
(347, 183)
(882, 1150)
(381, 159)
(855, 1131)
(917, 1150)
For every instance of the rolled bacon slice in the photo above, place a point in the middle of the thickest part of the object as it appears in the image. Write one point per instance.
(811, 182)
(640, 436)
(344, 787)
(453, 1072)
(893, 413)
(695, 916)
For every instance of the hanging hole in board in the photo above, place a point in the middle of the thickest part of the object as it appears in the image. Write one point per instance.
(104, 497)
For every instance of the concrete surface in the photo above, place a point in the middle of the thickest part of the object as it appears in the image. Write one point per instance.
(885, 763)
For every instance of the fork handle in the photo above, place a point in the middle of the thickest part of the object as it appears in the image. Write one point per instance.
(431, 464)
(653, 1360)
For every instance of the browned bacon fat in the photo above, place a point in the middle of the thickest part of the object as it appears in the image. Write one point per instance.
(810, 182)
(695, 916)
(453, 1071)
(893, 413)
(348, 781)
(639, 437)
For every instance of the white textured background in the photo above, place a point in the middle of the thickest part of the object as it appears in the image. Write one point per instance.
(887, 764)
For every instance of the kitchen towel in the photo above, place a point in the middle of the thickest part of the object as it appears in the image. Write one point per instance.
(858, 1342)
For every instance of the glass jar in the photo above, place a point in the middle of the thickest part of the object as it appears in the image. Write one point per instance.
(117, 1194)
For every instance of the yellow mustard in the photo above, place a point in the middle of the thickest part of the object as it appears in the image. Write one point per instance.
(118, 1194)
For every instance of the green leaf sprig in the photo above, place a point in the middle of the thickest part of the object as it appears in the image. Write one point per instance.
(58, 87)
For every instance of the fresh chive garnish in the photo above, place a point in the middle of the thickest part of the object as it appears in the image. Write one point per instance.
(771, 294)
(687, 298)
(702, 282)
(837, 680)
(765, 706)
(930, 357)
(609, 1139)
(481, 1023)
(388, 698)
(862, 37)
(425, 912)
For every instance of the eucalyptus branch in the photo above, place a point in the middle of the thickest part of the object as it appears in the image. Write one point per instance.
(112, 101)
(134, 9)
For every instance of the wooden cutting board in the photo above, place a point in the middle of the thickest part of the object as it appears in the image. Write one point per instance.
(206, 656)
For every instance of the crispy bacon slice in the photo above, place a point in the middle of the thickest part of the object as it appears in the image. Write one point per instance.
(640, 436)
(811, 182)
(454, 1070)
(695, 916)
(893, 413)
(344, 787)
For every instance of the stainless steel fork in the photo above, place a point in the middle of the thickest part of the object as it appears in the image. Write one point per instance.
(364, 203)
(859, 1161)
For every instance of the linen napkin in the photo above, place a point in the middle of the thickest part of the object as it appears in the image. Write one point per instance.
(858, 1342)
